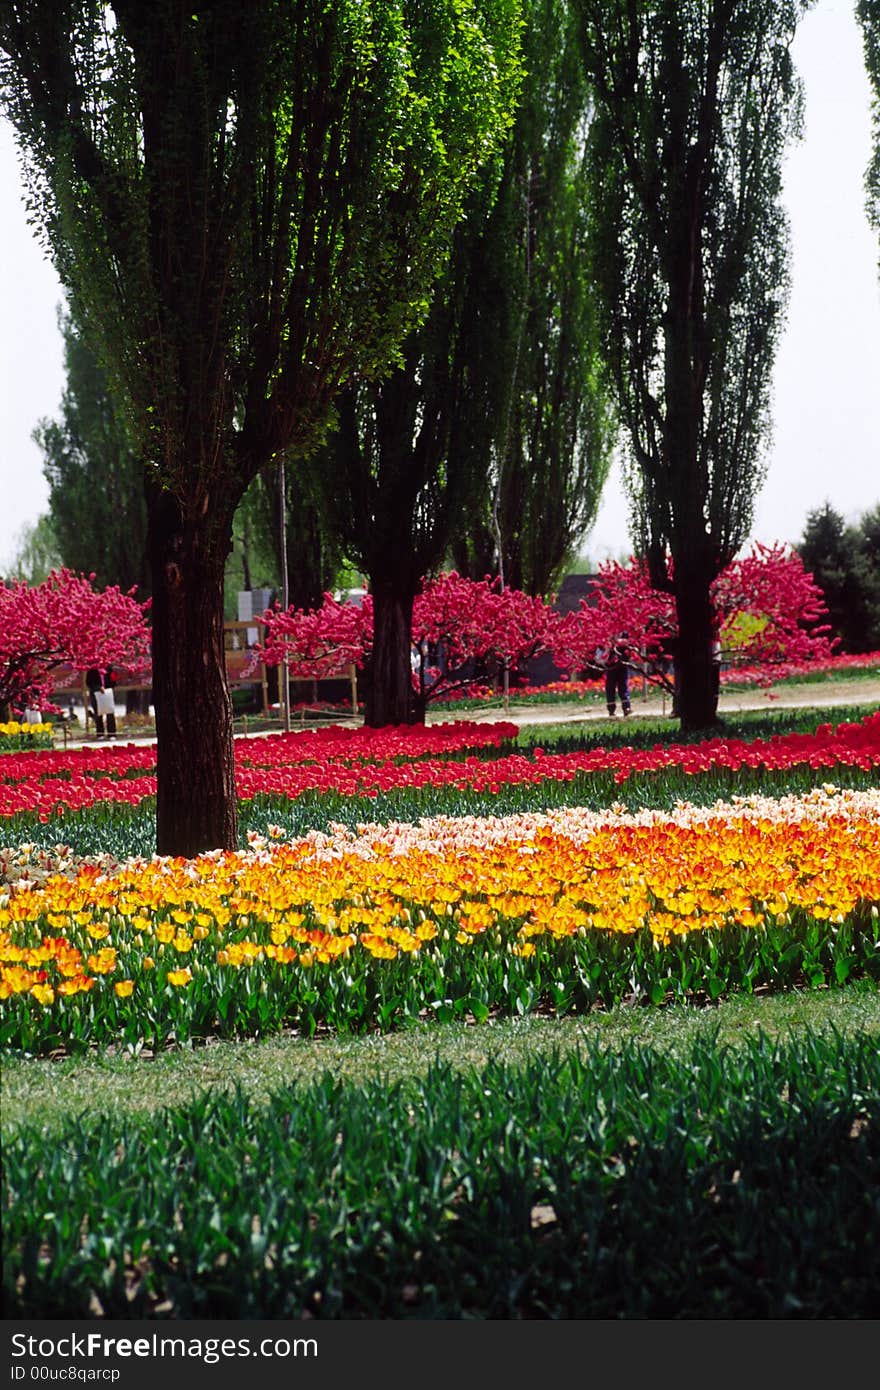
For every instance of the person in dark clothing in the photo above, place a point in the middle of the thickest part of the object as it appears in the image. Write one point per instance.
(93, 684)
(96, 683)
(109, 684)
(616, 662)
(715, 657)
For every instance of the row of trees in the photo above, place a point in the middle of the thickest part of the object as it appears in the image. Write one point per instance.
(248, 204)
(351, 236)
(768, 610)
(494, 431)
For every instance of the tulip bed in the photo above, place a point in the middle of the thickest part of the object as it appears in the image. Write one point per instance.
(15, 736)
(799, 672)
(283, 764)
(443, 918)
(365, 763)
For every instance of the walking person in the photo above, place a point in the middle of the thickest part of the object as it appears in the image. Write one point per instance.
(99, 705)
(617, 661)
(109, 684)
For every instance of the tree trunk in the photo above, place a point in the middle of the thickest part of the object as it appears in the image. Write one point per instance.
(390, 694)
(196, 803)
(692, 547)
(697, 695)
(137, 701)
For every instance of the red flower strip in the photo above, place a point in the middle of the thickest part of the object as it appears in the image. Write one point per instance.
(278, 766)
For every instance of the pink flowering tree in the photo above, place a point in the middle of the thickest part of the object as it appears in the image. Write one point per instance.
(768, 611)
(318, 643)
(622, 603)
(772, 611)
(459, 625)
(65, 622)
(462, 625)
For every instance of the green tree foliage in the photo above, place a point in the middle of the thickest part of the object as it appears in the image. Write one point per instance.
(845, 562)
(499, 395)
(249, 202)
(36, 553)
(97, 504)
(314, 551)
(548, 448)
(695, 103)
(868, 12)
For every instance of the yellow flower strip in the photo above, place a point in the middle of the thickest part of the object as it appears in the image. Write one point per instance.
(388, 890)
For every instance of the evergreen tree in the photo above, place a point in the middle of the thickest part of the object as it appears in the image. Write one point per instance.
(845, 562)
(695, 102)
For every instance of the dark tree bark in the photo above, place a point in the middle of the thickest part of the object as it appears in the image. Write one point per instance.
(696, 562)
(196, 805)
(697, 698)
(390, 695)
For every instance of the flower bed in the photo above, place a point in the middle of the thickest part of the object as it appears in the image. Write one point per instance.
(15, 736)
(452, 916)
(287, 763)
(747, 674)
(363, 763)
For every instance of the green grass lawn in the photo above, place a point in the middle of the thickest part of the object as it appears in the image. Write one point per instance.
(60, 1091)
(545, 1175)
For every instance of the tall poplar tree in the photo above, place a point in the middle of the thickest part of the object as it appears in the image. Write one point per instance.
(695, 103)
(97, 504)
(249, 203)
(500, 392)
(401, 471)
(552, 429)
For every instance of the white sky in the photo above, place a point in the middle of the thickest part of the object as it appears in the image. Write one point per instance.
(826, 409)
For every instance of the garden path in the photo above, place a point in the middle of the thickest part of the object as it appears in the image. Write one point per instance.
(864, 691)
(814, 694)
